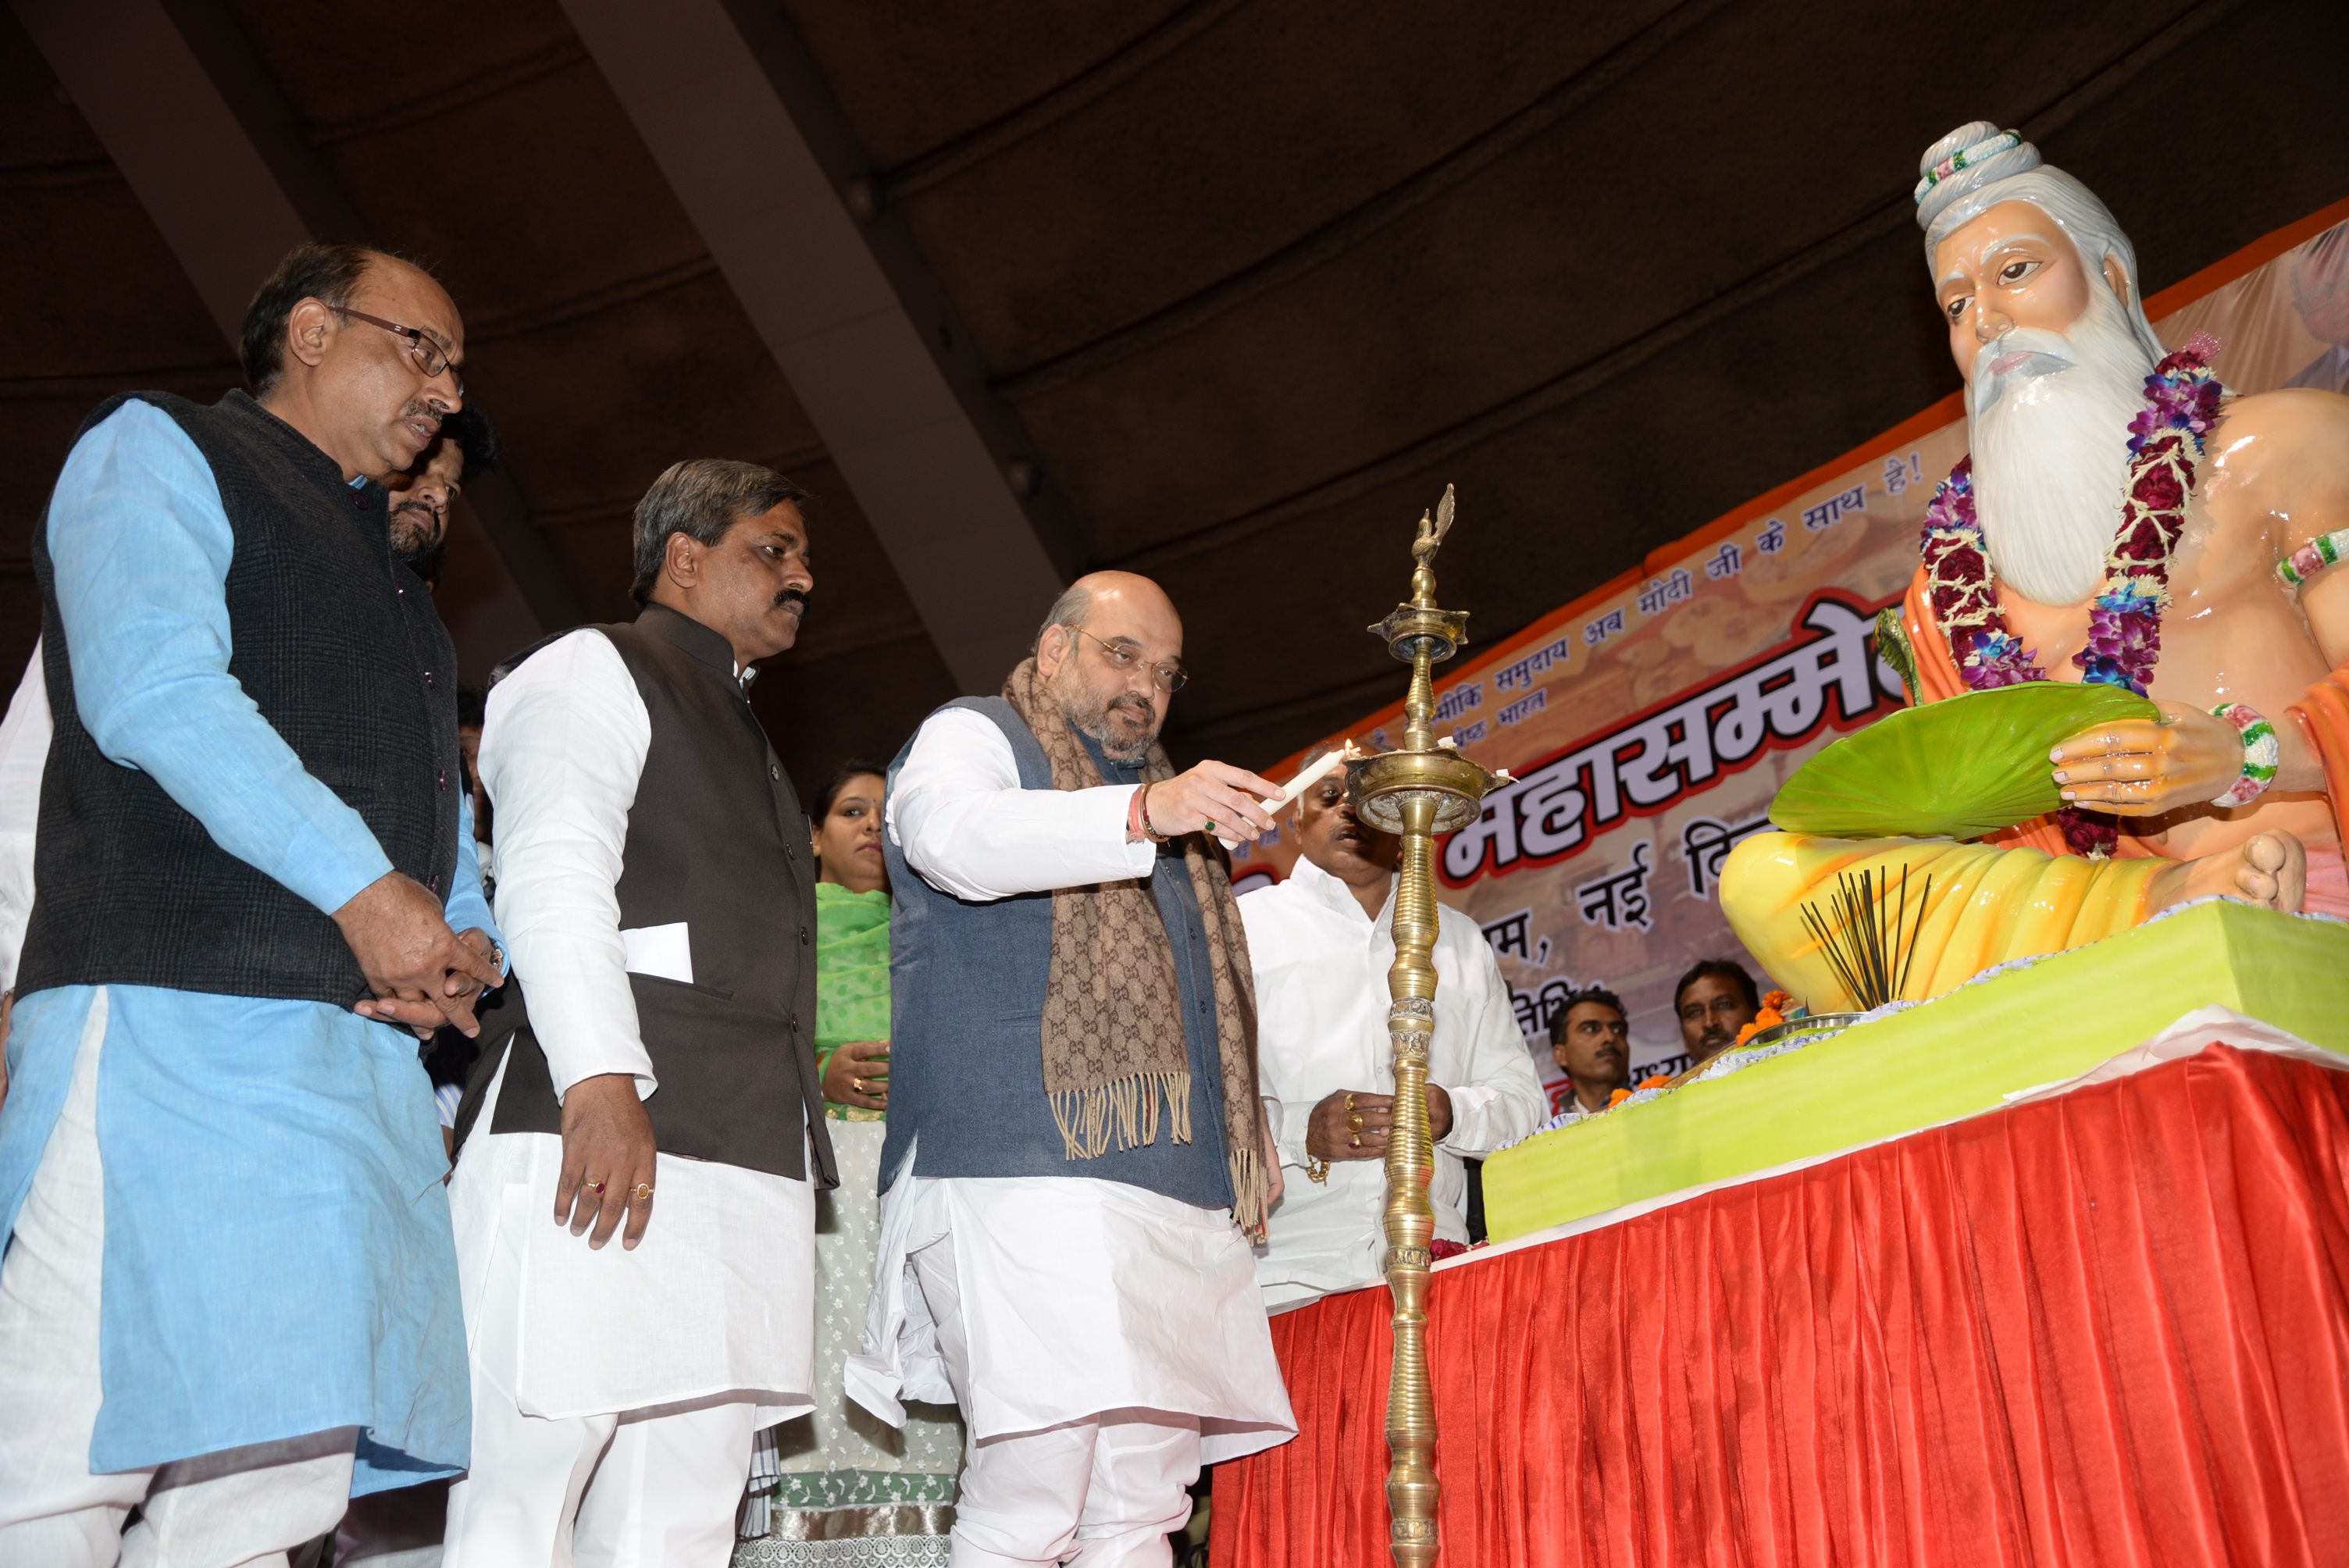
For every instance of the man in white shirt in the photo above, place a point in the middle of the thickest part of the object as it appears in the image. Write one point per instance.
(23, 752)
(1322, 943)
(655, 871)
(1076, 1148)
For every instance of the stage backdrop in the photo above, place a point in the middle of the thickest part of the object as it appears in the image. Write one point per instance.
(1649, 724)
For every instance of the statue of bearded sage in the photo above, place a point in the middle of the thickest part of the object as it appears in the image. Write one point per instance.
(2121, 518)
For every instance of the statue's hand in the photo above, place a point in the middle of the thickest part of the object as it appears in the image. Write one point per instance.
(2140, 769)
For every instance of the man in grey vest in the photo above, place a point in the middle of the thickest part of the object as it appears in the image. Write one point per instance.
(1077, 1158)
(653, 879)
(229, 1297)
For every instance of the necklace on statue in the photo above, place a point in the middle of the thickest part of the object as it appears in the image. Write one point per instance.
(2182, 397)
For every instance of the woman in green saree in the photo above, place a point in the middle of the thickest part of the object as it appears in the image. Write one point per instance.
(837, 1486)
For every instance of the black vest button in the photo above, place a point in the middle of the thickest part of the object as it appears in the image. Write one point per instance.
(774, 770)
(429, 681)
(444, 780)
(804, 936)
(435, 884)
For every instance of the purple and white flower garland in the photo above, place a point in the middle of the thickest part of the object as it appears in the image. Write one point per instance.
(2182, 398)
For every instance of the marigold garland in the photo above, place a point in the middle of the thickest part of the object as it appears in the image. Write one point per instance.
(1772, 1014)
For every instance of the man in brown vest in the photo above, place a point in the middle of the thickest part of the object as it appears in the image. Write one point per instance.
(653, 869)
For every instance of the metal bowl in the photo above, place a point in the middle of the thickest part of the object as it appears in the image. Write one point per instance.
(1377, 785)
(1809, 1024)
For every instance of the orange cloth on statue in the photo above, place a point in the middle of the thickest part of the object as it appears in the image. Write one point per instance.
(2322, 716)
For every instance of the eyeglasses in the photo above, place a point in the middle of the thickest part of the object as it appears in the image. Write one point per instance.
(1170, 678)
(429, 356)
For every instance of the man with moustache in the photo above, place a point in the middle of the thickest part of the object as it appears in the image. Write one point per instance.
(1076, 1156)
(2120, 519)
(1713, 1000)
(229, 1297)
(423, 498)
(654, 879)
(1590, 1040)
(1322, 943)
(419, 500)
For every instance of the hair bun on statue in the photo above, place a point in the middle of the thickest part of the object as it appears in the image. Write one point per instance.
(1978, 165)
(1975, 155)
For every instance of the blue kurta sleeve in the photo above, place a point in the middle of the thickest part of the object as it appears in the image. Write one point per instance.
(141, 548)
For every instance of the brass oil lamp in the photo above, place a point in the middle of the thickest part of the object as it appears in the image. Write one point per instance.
(1424, 788)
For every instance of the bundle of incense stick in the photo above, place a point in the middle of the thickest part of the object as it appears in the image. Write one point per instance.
(1867, 937)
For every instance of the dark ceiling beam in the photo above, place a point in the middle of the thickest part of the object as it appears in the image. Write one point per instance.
(622, 507)
(212, 150)
(1351, 230)
(503, 77)
(975, 146)
(1893, 210)
(204, 140)
(750, 141)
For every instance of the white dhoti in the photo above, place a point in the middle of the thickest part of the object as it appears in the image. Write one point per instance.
(1102, 1341)
(615, 1392)
(240, 1505)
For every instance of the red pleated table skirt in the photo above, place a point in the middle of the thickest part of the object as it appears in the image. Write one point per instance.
(2109, 1327)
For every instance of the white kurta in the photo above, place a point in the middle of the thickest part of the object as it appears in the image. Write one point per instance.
(1078, 1295)
(1321, 1010)
(718, 1297)
(23, 755)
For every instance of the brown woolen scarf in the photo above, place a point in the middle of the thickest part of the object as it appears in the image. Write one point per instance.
(1115, 1055)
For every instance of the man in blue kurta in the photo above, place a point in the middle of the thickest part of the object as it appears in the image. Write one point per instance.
(228, 1295)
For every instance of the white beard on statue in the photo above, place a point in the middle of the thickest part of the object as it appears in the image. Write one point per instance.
(2048, 422)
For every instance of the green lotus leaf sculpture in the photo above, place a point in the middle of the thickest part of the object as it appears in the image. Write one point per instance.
(1956, 769)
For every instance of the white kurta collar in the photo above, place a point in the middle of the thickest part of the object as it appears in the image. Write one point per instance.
(1335, 895)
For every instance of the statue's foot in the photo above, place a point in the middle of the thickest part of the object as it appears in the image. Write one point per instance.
(2270, 870)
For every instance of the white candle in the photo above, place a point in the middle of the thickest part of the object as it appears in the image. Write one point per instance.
(1329, 763)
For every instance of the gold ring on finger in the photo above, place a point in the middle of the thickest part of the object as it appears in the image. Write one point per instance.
(858, 1084)
(597, 1188)
(1350, 1099)
(1354, 1122)
(1354, 1140)
(642, 1192)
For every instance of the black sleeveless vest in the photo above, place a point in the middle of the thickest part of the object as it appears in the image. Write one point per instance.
(717, 840)
(338, 646)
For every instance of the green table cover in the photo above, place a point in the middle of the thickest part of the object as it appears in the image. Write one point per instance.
(1956, 1057)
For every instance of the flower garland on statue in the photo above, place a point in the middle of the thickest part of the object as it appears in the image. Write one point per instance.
(2182, 397)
